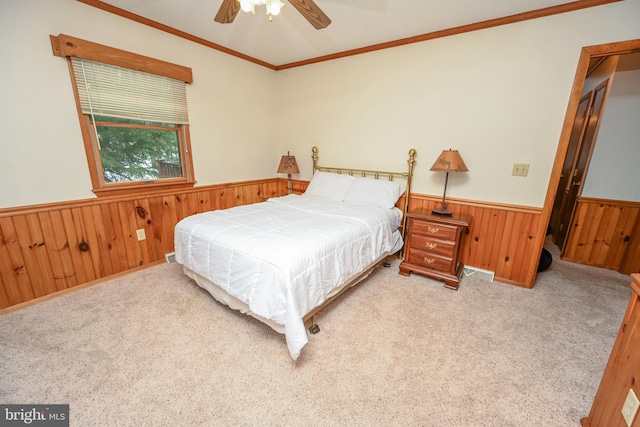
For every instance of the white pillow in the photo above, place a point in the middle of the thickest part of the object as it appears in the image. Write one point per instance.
(329, 185)
(376, 192)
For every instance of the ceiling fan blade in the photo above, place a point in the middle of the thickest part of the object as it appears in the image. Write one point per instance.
(228, 11)
(312, 13)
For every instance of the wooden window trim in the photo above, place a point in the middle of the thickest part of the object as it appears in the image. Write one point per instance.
(67, 47)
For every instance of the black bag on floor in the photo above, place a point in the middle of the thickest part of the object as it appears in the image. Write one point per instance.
(545, 260)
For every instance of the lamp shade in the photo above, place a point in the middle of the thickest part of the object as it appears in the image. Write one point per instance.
(449, 161)
(288, 164)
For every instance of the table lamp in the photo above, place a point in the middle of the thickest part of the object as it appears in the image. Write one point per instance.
(449, 161)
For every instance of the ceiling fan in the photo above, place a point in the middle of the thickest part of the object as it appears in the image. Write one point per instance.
(307, 8)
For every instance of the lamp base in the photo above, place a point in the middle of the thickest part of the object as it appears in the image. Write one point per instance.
(442, 211)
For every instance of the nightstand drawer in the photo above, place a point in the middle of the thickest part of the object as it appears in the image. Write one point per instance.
(433, 246)
(432, 229)
(430, 261)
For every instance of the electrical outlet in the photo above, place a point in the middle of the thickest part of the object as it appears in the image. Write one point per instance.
(520, 169)
(141, 234)
(630, 407)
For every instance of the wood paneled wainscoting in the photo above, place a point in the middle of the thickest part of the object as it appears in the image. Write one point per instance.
(605, 233)
(46, 249)
(502, 238)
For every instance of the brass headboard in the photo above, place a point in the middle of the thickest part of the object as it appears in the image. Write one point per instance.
(408, 175)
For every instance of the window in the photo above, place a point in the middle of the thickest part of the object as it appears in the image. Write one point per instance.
(134, 122)
(136, 150)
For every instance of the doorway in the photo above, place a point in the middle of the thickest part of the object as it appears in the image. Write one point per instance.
(559, 181)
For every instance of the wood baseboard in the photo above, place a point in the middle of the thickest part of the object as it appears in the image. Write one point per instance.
(48, 297)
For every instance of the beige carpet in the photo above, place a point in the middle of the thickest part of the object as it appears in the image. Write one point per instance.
(153, 349)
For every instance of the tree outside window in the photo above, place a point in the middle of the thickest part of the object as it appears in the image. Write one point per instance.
(135, 150)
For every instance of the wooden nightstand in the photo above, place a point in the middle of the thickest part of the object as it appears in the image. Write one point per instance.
(432, 245)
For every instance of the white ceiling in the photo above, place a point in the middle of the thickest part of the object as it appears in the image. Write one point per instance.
(355, 23)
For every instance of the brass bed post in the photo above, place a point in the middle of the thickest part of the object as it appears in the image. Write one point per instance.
(314, 156)
(410, 162)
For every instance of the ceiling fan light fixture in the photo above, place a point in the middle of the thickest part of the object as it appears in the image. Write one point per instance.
(307, 8)
(274, 6)
(247, 6)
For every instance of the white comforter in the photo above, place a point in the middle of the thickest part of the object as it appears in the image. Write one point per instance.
(284, 257)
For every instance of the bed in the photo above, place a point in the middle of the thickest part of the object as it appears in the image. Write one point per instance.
(283, 260)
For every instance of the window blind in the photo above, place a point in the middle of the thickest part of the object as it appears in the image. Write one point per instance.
(109, 90)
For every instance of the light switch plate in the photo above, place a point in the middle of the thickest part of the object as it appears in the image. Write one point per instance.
(630, 407)
(520, 169)
(141, 234)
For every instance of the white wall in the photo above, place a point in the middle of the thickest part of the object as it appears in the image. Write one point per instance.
(43, 159)
(612, 171)
(498, 95)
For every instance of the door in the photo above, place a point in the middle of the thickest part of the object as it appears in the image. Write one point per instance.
(562, 194)
(585, 129)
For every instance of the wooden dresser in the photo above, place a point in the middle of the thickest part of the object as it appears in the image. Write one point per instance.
(622, 372)
(432, 245)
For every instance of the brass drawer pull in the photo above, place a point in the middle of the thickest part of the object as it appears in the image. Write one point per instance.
(432, 245)
(433, 230)
(429, 260)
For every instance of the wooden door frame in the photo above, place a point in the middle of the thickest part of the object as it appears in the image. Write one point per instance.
(586, 54)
